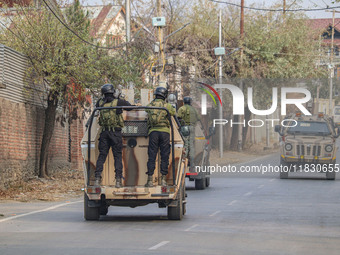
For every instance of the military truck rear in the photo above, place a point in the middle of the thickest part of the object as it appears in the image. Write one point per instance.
(199, 145)
(198, 171)
(133, 193)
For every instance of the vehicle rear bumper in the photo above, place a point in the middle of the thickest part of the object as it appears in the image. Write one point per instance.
(135, 193)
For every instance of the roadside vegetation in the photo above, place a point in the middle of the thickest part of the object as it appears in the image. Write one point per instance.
(274, 46)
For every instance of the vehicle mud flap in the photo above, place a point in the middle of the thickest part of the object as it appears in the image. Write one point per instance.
(93, 203)
(173, 203)
(90, 213)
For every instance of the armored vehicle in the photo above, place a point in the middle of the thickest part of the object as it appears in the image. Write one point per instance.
(308, 144)
(198, 170)
(336, 115)
(133, 193)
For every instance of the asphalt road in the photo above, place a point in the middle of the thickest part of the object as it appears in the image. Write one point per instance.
(241, 213)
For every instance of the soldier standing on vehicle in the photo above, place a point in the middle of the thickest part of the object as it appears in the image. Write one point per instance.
(190, 117)
(111, 122)
(159, 135)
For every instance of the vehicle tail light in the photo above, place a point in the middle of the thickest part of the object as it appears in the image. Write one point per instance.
(96, 190)
(191, 173)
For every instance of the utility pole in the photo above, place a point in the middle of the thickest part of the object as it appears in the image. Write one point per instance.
(220, 110)
(239, 145)
(331, 69)
(128, 20)
(284, 7)
(160, 37)
(242, 24)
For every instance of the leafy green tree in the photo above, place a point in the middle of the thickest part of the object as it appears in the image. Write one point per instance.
(65, 64)
(57, 59)
(275, 46)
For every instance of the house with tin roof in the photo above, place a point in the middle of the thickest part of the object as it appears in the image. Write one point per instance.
(107, 22)
(324, 28)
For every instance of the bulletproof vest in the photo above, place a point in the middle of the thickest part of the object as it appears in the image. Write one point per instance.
(109, 118)
(189, 117)
(156, 117)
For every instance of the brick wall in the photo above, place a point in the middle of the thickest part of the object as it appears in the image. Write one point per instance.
(76, 134)
(21, 127)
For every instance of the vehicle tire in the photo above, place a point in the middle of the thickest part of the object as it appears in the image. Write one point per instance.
(104, 209)
(200, 183)
(283, 174)
(330, 175)
(90, 213)
(207, 181)
(176, 213)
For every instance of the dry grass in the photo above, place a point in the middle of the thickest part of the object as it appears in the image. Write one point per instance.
(66, 184)
(233, 157)
(60, 186)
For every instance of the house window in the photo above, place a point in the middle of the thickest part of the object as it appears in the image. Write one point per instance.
(113, 40)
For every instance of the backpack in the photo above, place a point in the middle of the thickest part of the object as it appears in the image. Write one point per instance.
(190, 117)
(108, 117)
(157, 117)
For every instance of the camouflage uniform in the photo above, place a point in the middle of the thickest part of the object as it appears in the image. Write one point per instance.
(111, 122)
(159, 135)
(190, 117)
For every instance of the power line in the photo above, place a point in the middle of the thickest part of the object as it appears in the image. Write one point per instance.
(275, 10)
(141, 19)
(280, 53)
(191, 51)
(82, 39)
(285, 54)
(247, 50)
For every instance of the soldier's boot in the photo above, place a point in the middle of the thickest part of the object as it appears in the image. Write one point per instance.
(163, 180)
(149, 183)
(97, 181)
(119, 182)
